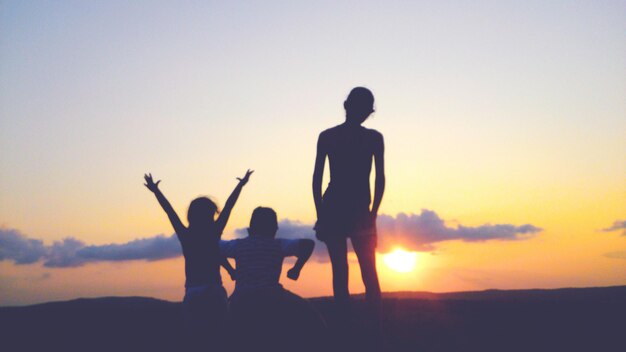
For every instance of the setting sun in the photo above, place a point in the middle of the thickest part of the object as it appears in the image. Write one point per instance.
(400, 260)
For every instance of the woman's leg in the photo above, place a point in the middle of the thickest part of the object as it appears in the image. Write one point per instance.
(365, 249)
(338, 252)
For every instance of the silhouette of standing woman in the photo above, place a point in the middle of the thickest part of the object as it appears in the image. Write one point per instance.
(344, 210)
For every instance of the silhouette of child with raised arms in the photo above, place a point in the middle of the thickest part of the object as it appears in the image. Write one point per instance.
(262, 310)
(344, 210)
(205, 304)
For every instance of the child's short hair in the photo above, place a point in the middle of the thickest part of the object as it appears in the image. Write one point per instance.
(263, 222)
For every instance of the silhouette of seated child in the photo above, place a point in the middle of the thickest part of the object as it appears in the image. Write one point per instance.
(261, 309)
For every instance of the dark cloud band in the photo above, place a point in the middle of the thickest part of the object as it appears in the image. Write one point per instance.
(619, 225)
(413, 232)
(71, 252)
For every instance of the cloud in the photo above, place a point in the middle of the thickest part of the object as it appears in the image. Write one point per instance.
(616, 255)
(64, 254)
(617, 226)
(419, 232)
(153, 248)
(71, 252)
(15, 246)
(415, 232)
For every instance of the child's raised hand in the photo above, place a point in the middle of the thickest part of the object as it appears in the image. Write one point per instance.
(293, 273)
(246, 178)
(150, 184)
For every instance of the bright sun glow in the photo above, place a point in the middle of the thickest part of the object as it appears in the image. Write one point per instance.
(400, 260)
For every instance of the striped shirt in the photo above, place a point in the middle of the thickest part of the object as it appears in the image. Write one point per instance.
(259, 260)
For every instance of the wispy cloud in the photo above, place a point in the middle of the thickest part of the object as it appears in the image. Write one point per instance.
(415, 232)
(619, 225)
(616, 255)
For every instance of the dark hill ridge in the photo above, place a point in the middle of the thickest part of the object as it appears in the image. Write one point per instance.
(560, 294)
(571, 319)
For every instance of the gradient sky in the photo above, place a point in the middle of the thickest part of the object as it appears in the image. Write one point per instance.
(493, 112)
